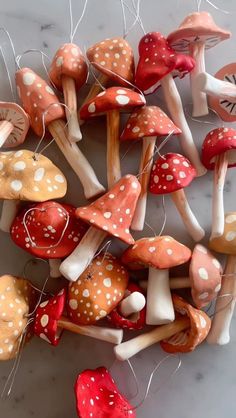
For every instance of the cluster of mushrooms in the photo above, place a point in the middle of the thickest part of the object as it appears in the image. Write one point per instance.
(100, 284)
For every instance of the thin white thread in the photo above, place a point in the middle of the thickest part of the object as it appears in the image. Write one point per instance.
(8, 75)
(74, 30)
(5, 31)
(125, 33)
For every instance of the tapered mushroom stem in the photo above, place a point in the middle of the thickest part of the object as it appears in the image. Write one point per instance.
(6, 129)
(110, 335)
(102, 80)
(129, 348)
(200, 107)
(9, 212)
(144, 177)
(225, 303)
(220, 171)
(70, 98)
(175, 107)
(54, 265)
(160, 308)
(74, 265)
(175, 283)
(215, 87)
(76, 159)
(132, 304)
(189, 219)
(113, 147)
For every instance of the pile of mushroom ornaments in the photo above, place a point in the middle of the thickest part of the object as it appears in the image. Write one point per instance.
(102, 286)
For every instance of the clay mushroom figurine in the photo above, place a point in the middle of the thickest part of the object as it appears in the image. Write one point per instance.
(170, 174)
(225, 303)
(50, 322)
(14, 125)
(158, 255)
(111, 215)
(146, 124)
(98, 396)
(27, 176)
(218, 154)
(69, 72)
(98, 291)
(111, 102)
(158, 64)
(44, 110)
(195, 34)
(189, 330)
(48, 230)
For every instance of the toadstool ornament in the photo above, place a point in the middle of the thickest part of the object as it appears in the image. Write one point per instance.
(98, 396)
(218, 154)
(195, 34)
(69, 72)
(146, 124)
(98, 291)
(225, 303)
(45, 110)
(27, 176)
(189, 330)
(111, 102)
(50, 322)
(158, 64)
(14, 125)
(158, 255)
(170, 174)
(111, 215)
(48, 230)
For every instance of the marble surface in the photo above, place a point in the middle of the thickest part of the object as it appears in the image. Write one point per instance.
(205, 384)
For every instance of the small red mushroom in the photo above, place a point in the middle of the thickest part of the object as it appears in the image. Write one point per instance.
(14, 125)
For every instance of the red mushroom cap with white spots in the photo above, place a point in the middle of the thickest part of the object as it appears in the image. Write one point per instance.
(113, 212)
(38, 99)
(170, 173)
(217, 142)
(205, 274)
(13, 113)
(97, 396)
(148, 121)
(113, 98)
(69, 61)
(47, 315)
(156, 60)
(161, 252)
(114, 58)
(48, 230)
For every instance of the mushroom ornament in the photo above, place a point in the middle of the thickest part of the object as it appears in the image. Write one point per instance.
(218, 154)
(189, 330)
(196, 33)
(111, 215)
(171, 173)
(158, 64)
(111, 102)
(45, 111)
(158, 255)
(48, 230)
(14, 125)
(146, 124)
(69, 72)
(27, 176)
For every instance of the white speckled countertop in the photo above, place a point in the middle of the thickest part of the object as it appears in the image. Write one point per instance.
(205, 384)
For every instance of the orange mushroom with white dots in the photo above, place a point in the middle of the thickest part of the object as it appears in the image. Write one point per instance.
(14, 125)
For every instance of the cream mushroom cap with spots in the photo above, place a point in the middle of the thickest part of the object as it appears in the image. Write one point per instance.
(226, 243)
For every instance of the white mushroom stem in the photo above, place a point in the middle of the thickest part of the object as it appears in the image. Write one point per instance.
(133, 303)
(200, 107)
(75, 264)
(129, 348)
(113, 147)
(95, 89)
(215, 87)
(76, 159)
(113, 336)
(188, 218)
(6, 129)
(54, 265)
(175, 107)
(225, 303)
(175, 283)
(160, 308)
(144, 177)
(220, 171)
(70, 98)
(9, 212)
